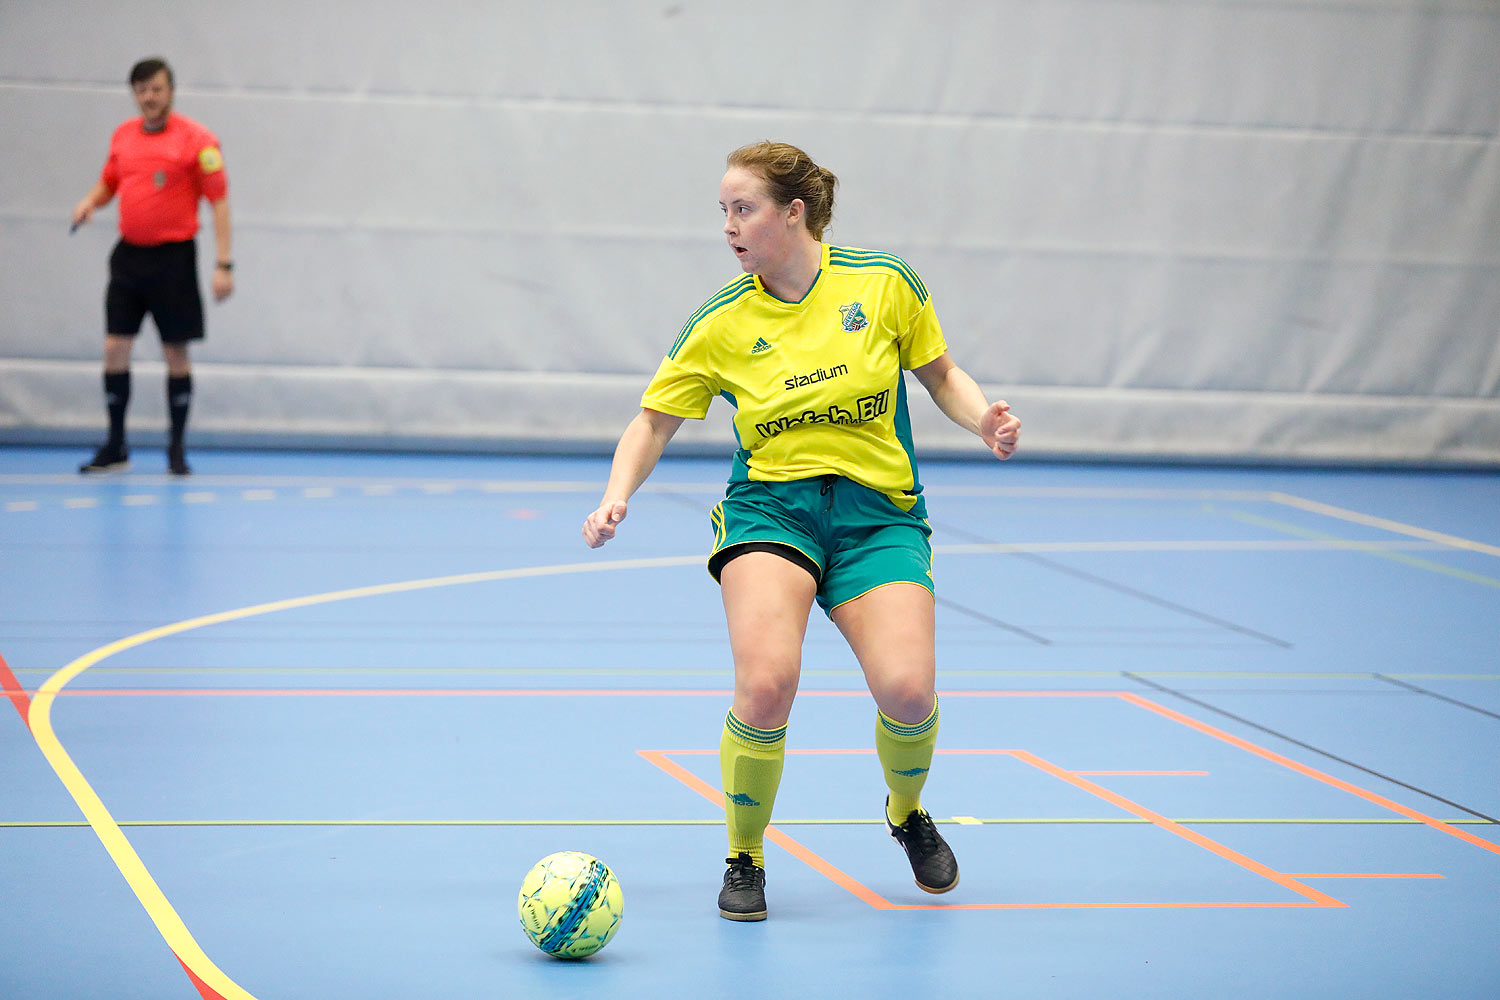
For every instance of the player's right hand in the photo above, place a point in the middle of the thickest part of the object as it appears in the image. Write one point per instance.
(599, 527)
(83, 212)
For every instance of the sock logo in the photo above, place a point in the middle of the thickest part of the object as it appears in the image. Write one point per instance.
(912, 773)
(741, 799)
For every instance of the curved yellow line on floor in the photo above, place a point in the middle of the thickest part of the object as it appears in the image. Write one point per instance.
(172, 929)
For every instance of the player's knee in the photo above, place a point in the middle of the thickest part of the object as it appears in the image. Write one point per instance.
(763, 698)
(908, 701)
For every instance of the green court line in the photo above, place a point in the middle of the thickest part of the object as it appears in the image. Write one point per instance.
(1400, 557)
(967, 821)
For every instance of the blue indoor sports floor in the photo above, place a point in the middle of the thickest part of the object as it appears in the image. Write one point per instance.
(298, 725)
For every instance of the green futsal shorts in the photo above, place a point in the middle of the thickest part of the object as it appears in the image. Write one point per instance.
(851, 538)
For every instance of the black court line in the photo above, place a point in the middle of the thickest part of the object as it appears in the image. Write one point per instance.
(1306, 746)
(982, 617)
(1434, 694)
(1127, 590)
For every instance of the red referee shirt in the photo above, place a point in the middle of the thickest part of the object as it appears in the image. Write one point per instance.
(159, 177)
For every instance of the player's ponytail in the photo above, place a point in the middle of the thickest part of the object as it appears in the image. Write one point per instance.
(791, 174)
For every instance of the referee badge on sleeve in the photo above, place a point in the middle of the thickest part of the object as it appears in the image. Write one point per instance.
(209, 159)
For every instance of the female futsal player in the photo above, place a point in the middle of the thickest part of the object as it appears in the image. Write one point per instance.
(823, 501)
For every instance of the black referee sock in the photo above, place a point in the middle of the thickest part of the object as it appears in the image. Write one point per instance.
(179, 398)
(116, 400)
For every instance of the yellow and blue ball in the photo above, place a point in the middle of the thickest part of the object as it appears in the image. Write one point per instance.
(570, 904)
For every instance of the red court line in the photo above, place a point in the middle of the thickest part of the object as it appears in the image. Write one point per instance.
(813, 861)
(378, 693)
(1311, 896)
(1309, 772)
(15, 692)
(1363, 875)
(1191, 836)
(1146, 773)
(508, 693)
(206, 991)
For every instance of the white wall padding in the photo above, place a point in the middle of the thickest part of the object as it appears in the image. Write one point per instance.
(1218, 229)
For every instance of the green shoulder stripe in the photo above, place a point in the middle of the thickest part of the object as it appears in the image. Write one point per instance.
(850, 257)
(729, 293)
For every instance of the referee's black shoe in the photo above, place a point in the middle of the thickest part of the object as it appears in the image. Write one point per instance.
(110, 458)
(177, 461)
(744, 894)
(932, 861)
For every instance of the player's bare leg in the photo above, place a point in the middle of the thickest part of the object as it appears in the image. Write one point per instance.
(891, 630)
(766, 604)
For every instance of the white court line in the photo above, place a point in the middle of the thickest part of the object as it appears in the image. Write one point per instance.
(386, 486)
(1187, 545)
(1384, 524)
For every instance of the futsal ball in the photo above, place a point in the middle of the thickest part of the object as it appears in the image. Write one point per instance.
(570, 904)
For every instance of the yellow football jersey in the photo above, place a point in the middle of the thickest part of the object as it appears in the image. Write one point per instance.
(816, 384)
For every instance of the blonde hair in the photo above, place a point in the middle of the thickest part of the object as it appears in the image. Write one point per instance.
(790, 174)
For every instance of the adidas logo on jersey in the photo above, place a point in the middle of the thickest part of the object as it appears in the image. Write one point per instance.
(760, 347)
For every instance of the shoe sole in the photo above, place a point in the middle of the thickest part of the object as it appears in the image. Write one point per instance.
(93, 470)
(925, 888)
(937, 892)
(727, 915)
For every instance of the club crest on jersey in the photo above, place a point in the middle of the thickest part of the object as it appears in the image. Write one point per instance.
(854, 317)
(159, 179)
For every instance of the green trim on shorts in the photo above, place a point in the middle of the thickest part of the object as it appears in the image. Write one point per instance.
(857, 537)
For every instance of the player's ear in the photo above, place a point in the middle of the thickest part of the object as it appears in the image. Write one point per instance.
(796, 210)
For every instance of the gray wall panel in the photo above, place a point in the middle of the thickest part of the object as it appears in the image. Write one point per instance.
(1260, 229)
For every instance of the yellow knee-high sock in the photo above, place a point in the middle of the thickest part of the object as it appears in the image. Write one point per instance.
(905, 753)
(750, 762)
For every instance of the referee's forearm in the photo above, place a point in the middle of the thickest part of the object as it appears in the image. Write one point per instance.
(223, 231)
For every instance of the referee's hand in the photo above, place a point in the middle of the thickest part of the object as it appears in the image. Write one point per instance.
(223, 284)
(599, 527)
(83, 212)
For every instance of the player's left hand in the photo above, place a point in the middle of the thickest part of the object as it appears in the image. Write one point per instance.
(599, 527)
(1000, 429)
(223, 284)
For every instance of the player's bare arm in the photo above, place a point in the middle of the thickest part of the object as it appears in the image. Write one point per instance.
(963, 402)
(636, 455)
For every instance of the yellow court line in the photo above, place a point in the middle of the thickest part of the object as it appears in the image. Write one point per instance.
(166, 919)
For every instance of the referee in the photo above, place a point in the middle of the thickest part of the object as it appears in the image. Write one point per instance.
(160, 164)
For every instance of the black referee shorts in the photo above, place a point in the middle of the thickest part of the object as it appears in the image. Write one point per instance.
(161, 280)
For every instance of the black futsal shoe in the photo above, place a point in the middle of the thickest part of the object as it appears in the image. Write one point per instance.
(110, 458)
(932, 862)
(744, 894)
(177, 461)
